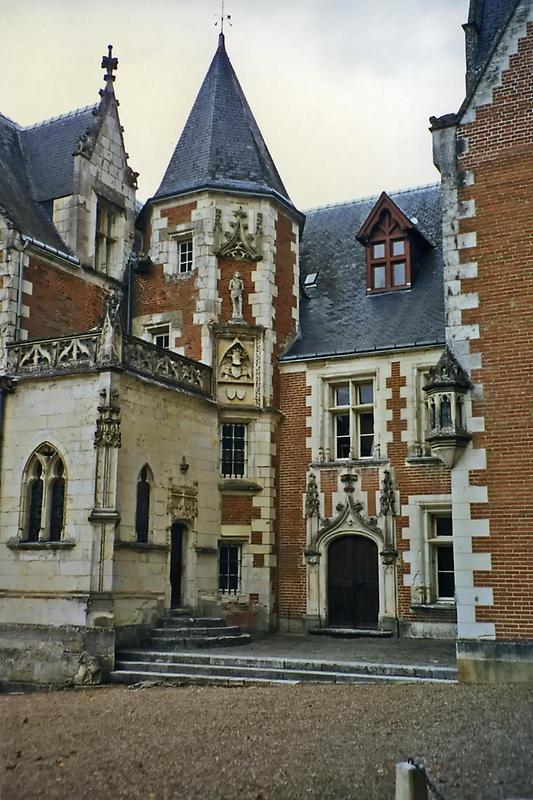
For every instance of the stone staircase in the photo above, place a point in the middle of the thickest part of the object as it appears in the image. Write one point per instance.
(172, 655)
(180, 629)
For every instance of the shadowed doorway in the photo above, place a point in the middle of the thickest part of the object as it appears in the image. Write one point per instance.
(176, 563)
(353, 589)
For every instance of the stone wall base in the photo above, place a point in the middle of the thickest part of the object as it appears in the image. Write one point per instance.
(49, 656)
(428, 630)
(495, 662)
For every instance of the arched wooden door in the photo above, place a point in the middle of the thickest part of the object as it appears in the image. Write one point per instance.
(353, 588)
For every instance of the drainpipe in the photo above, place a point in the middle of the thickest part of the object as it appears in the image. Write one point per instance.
(6, 387)
(21, 248)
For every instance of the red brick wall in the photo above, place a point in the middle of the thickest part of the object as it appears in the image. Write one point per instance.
(156, 293)
(500, 154)
(61, 303)
(238, 510)
(285, 302)
(294, 458)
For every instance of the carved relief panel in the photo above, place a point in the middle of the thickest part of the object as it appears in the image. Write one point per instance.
(238, 370)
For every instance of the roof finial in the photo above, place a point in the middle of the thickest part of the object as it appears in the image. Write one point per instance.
(109, 64)
(223, 18)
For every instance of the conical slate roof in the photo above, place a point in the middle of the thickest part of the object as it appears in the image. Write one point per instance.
(221, 146)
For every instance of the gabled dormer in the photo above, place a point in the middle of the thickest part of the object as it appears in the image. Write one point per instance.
(391, 239)
(79, 174)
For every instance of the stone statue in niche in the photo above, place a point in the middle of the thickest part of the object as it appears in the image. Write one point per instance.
(236, 287)
(236, 364)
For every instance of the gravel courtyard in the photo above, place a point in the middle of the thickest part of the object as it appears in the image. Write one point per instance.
(306, 741)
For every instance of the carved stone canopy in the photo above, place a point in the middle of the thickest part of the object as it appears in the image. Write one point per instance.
(238, 244)
(447, 375)
(183, 502)
(350, 517)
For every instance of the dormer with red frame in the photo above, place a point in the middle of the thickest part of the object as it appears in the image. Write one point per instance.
(389, 237)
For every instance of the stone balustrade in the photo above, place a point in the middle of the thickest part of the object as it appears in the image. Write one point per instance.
(90, 352)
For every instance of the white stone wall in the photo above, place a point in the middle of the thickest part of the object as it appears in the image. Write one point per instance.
(160, 427)
(49, 586)
(459, 335)
(104, 173)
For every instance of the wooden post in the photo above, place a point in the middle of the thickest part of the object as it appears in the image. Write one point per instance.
(410, 782)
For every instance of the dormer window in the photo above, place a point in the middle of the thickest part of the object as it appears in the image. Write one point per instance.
(388, 237)
(388, 256)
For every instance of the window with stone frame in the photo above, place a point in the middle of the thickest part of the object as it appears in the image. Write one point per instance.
(440, 541)
(229, 567)
(351, 413)
(160, 335)
(43, 501)
(233, 449)
(107, 236)
(185, 254)
(142, 506)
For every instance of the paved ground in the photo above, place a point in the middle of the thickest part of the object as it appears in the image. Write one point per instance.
(324, 742)
(387, 651)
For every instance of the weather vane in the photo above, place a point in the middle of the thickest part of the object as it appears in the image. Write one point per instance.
(109, 63)
(223, 17)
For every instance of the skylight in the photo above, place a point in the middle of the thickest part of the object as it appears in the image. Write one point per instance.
(310, 280)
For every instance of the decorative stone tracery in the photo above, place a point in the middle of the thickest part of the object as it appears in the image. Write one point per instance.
(238, 244)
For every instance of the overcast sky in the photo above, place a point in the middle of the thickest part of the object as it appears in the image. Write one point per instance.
(342, 89)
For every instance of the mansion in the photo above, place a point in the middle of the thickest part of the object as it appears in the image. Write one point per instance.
(299, 421)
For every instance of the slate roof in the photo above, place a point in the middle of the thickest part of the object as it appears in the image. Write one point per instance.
(337, 316)
(49, 147)
(37, 165)
(494, 17)
(221, 146)
(15, 191)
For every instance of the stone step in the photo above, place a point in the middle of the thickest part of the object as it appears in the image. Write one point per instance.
(200, 662)
(190, 632)
(131, 677)
(259, 674)
(351, 633)
(200, 641)
(191, 622)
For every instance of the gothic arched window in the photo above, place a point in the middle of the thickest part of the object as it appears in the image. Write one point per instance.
(44, 509)
(142, 508)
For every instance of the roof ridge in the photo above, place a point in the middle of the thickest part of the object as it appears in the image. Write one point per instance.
(66, 115)
(10, 121)
(372, 197)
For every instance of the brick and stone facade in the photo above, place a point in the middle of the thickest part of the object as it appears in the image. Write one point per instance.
(485, 156)
(224, 359)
